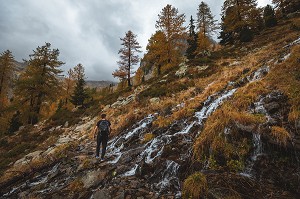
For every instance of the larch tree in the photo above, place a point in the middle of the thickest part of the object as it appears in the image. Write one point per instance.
(7, 67)
(171, 24)
(206, 26)
(79, 94)
(192, 40)
(69, 83)
(128, 57)
(157, 50)
(39, 83)
(241, 18)
(205, 20)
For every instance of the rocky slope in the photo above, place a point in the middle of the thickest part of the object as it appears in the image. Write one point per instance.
(253, 154)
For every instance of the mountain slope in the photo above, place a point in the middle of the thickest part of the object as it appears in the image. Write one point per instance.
(229, 129)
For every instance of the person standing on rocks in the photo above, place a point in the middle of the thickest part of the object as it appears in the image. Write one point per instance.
(102, 129)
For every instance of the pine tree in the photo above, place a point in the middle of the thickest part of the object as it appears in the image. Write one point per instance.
(192, 40)
(269, 17)
(15, 123)
(286, 6)
(7, 67)
(171, 24)
(80, 93)
(240, 17)
(128, 57)
(206, 22)
(39, 83)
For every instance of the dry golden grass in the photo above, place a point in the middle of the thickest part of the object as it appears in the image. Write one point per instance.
(249, 94)
(280, 135)
(213, 136)
(286, 77)
(195, 186)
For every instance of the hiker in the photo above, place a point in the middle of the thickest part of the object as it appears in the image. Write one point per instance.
(102, 129)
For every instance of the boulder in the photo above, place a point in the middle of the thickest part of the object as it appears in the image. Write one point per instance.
(93, 178)
(154, 100)
(182, 70)
(202, 68)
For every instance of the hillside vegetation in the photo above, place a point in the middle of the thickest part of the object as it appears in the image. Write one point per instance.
(218, 125)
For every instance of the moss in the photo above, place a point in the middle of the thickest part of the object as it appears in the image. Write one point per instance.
(195, 186)
(148, 137)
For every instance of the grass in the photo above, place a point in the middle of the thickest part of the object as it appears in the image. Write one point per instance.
(214, 142)
(195, 186)
(280, 135)
(285, 77)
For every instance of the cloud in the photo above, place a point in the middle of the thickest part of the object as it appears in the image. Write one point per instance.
(87, 31)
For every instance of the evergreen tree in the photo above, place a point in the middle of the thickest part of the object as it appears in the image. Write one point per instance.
(171, 24)
(7, 67)
(206, 22)
(80, 93)
(286, 6)
(269, 17)
(192, 40)
(15, 123)
(241, 18)
(39, 82)
(128, 57)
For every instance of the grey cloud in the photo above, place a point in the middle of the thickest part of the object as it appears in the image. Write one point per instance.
(85, 32)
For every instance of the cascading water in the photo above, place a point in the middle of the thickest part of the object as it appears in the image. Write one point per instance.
(165, 169)
(258, 150)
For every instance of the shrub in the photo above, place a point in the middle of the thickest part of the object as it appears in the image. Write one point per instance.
(280, 135)
(195, 186)
(64, 115)
(235, 165)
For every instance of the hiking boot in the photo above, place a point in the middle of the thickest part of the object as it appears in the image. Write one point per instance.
(97, 157)
(102, 159)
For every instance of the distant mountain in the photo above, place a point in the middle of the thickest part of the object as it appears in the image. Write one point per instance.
(20, 66)
(99, 84)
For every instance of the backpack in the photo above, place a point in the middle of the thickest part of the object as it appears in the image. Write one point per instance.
(103, 126)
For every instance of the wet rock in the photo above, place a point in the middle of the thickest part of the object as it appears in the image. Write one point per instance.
(66, 125)
(120, 195)
(123, 101)
(182, 70)
(272, 107)
(93, 178)
(103, 193)
(244, 128)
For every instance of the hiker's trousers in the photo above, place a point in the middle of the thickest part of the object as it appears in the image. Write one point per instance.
(101, 138)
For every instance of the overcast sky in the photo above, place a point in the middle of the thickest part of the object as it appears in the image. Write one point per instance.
(85, 31)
